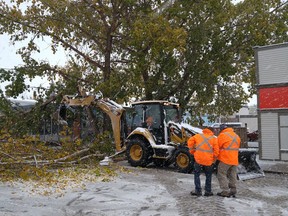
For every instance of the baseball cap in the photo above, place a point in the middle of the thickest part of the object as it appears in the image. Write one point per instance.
(223, 126)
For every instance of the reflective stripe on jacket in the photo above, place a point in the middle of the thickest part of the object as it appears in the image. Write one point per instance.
(229, 143)
(204, 147)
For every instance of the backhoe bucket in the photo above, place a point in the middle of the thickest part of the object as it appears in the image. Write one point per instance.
(248, 167)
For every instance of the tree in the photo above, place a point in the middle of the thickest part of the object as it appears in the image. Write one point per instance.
(199, 52)
(87, 29)
(219, 54)
(153, 46)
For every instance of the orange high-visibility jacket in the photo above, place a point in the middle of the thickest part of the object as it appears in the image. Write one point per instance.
(204, 147)
(229, 143)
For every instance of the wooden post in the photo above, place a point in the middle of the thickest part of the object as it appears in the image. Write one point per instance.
(242, 133)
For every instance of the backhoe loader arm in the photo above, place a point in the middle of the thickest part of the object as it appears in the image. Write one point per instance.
(114, 111)
(78, 101)
(111, 108)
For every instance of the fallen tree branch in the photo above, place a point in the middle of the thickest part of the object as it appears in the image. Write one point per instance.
(72, 155)
(81, 159)
(57, 161)
(35, 161)
(7, 155)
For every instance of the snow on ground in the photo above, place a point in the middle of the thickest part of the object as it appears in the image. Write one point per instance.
(247, 206)
(262, 202)
(148, 191)
(270, 192)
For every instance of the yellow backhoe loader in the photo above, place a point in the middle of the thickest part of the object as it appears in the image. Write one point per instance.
(151, 132)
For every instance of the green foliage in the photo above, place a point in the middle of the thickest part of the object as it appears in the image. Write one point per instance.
(104, 143)
(219, 51)
(21, 120)
(199, 52)
(27, 158)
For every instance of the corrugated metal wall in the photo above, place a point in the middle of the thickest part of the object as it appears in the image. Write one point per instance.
(273, 65)
(269, 136)
(284, 136)
(284, 132)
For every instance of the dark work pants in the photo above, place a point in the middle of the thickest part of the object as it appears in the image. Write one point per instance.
(208, 174)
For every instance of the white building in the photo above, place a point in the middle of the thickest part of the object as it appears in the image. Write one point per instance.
(272, 91)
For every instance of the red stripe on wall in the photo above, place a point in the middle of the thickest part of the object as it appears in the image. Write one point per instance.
(273, 98)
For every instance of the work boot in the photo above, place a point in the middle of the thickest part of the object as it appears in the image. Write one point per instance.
(224, 194)
(195, 193)
(233, 194)
(208, 194)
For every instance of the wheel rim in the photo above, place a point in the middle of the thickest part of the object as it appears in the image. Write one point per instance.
(136, 152)
(182, 160)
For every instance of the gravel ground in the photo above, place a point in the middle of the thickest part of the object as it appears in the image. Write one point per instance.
(148, 191)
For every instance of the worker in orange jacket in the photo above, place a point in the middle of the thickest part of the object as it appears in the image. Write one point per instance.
(205, 149)
(229, 143)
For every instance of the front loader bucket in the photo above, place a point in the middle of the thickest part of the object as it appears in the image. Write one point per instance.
(248, 167)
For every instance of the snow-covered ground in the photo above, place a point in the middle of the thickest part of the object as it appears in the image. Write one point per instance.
(148, 191)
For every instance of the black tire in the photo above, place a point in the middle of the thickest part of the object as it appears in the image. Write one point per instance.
(183, 160)
(138, 153)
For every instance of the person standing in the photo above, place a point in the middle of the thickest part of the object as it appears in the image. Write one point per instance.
(229, 143)
(205, 149)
